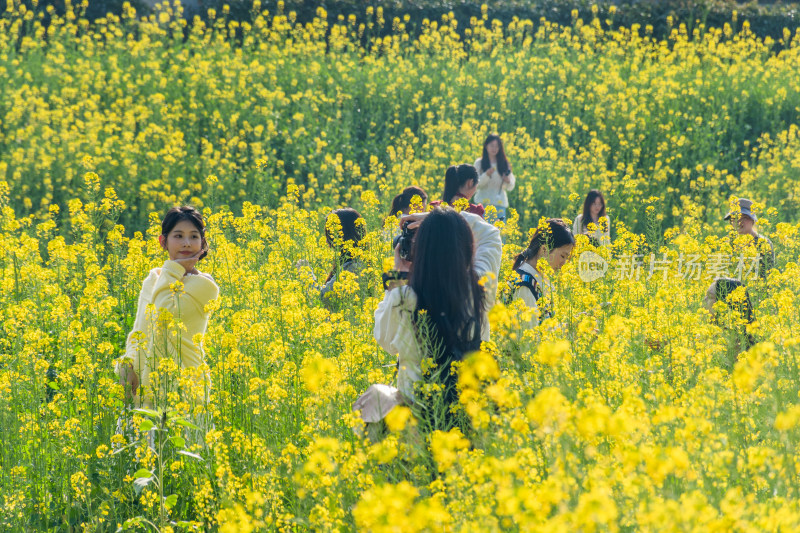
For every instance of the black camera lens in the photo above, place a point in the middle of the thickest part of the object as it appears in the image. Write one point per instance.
(406, 241)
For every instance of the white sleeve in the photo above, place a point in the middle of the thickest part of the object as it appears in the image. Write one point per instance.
(488, 251)
(576, 226)
(134, 350)
(388, 317)
(198, 291)
(511, 182)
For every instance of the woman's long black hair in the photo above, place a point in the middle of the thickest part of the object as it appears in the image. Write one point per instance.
(402, 201)
(556, 235)
(455, 178)
(446, 284)
(591, 196)
(502, 161)
(351, 231)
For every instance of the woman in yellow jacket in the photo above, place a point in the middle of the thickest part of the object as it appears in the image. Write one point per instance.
(171, 317)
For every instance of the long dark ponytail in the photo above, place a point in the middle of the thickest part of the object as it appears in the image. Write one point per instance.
(345, 236)
(402, 201)
(455, 178)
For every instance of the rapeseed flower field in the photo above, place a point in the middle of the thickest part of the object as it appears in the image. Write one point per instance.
(156, 107)
(633, 409)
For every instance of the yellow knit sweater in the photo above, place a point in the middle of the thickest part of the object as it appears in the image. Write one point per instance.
(170, 312)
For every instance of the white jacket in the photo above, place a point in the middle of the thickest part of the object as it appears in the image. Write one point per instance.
(394, 328)
(492, 189)
(603, 237)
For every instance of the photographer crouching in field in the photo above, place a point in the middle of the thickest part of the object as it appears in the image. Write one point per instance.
(440, 313)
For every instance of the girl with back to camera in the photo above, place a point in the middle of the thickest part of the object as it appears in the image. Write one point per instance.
(594, 212)
(553, 243)
(441, 312)
(404, 202)
(150, 340)
(344, 230)
(494, 176)
(460, 181)
(411, 200)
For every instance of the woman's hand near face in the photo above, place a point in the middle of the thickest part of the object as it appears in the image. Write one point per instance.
(414, 220)
(189, 263)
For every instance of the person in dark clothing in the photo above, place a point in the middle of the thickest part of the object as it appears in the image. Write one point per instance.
(735, 318)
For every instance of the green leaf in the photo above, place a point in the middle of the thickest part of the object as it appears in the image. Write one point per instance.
(190, 454)
(148, 412)
(146, 425)
(185, 423)
(129, 523)
(170, 501)
(142, 472)
(178, 442)
(120, 450)
(53, 385)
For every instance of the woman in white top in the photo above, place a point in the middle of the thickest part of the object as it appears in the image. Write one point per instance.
(555, 244)
(494, 176)
(442, 312)
(594, 212)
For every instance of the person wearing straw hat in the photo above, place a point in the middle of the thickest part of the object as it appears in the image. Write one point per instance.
(743, 220)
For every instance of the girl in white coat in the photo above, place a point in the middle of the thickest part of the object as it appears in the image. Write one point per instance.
(442, 311)
(594, 212)
(494, 176)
